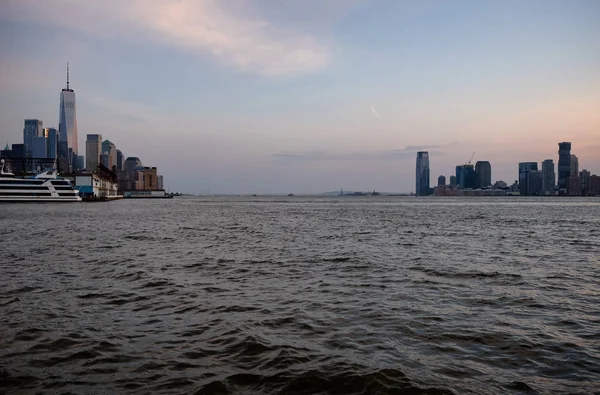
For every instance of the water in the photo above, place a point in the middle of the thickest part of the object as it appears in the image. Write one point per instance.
(301, 295)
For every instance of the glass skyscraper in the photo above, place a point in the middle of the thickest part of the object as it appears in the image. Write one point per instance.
(548, 177)
(564, 166)
(67, 128)
(422, 174)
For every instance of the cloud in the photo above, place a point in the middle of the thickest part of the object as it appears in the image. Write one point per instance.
(203, 27)
(406, 152)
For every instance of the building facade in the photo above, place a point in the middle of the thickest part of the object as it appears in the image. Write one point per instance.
(51, 135)
(120, 160)
(109, 154)
(441, 181)
(574, 165)
(466, 177)
(564, 166)
(33, 128)
(452, 181)
(422, 174)
(67, 127)
(483, 169)
(548, 177)
(40, 148)
(595, 185)
(93, 149)
(524, 169)
(584, 181)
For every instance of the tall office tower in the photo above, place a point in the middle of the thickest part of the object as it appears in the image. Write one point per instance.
(93, 149)
(564, 166)
(452, 181)
(483, 169)
(52, 142)
(466, 177)
(67, 127)
(584, 180)
(33, 128)
(120, 160)
(110, 150)
(548, 177)
(422, 174)
(441, 181)
(574, 165)
(524, 169)
(535, 182)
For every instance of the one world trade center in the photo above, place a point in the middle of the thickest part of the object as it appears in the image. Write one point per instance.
(67, 130)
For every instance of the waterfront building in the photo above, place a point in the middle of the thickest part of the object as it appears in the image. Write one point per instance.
(452, 181)
(574, 185)
(584, 179)
(483, 169)
(67, 128)
(524, 169)
(466, 177)
(548, 177)
(441, 181)
(574, 165)
(446, 190)
(51, 135)
(150, 179)
(93, 149)
(422, 174)
(535, 182)
(595, 185)
(160, 185)
(109, 152)
(564, 166)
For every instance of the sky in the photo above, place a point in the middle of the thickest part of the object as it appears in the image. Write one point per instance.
(309, 96)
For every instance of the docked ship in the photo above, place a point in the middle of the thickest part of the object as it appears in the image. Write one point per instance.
(46, 186)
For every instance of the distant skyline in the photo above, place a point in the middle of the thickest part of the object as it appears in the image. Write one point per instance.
(310, 96)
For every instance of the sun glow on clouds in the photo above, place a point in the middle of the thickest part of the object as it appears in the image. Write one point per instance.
(203, 27)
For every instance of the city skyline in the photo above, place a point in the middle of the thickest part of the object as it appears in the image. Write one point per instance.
(282, 101)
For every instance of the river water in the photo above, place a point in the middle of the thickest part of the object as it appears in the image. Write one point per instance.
(301, 295)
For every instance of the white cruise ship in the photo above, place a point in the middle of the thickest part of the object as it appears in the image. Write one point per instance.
(45, 186)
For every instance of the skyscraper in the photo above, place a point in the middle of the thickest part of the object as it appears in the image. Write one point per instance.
(483, 169)
(524, 169)
(564, 166)
(574, 165)
(67, 127)
(120, 160)
(109, 150)
(548, 177)
(33, 128)
(466, 177)
(441, 181)
(422, 174)
(93, 149)
(452, 181)
(52, 144)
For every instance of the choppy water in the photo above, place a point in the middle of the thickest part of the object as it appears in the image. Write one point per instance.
(301, 295)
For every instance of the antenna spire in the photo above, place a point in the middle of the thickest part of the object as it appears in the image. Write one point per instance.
(67, 75)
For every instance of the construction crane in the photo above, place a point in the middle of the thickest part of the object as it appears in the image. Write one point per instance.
(471, 160)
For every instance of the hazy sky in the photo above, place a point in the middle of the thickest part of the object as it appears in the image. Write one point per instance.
(267, 96)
